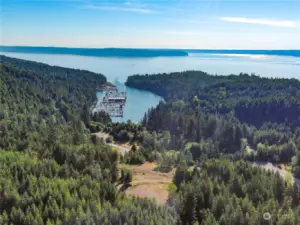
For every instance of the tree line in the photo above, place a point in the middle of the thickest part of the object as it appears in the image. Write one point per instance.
(222, 192)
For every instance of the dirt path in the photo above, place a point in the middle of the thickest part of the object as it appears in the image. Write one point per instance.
(101, 135)
(149, 183)
(271, 167)
(122, 148)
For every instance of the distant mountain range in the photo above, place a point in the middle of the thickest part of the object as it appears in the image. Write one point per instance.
(133, 52)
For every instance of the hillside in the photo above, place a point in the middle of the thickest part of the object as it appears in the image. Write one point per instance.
(294, 53)
(137, 52)
(253, 99)
(224, 110)
(212, 122)
(51, 170)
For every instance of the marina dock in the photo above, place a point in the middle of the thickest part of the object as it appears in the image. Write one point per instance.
(111, 101)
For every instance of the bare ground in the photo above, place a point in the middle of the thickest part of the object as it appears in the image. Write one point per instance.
(149, 183)
(283, 173)
(146, 182)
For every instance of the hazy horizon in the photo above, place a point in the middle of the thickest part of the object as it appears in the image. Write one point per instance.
(152, 48)
(165, 24)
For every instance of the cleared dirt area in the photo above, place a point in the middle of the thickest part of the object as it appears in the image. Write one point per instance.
(285, 174)
(145, 181)
(101, 135)
(149, 183)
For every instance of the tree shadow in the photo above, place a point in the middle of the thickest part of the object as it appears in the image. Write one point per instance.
(124, 187)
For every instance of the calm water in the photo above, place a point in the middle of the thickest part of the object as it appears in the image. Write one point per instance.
(118, 69)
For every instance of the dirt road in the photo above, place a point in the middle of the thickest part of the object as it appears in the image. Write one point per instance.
(271, 167)
(285, 174)
(122, 148)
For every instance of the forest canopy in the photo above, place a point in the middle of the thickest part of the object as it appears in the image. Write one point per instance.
(51, 172)
(253, 99)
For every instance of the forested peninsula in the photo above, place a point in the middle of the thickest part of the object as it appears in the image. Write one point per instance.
(97, 52)
(207, 134)
(141, 52)
(229, 111)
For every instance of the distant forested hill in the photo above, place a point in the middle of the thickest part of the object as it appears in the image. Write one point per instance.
(74, 87)
(220, 111)
(295, 53)
(253, 99)
(137, 52)
(99, 52)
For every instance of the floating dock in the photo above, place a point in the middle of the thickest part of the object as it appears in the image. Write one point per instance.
(111, 101)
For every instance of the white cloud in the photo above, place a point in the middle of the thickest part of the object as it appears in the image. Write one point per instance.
(124, 9)
(277, 23)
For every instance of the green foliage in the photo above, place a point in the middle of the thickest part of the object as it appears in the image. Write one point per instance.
(51, 170)
(125, 132)
(296, 165)
(95, 126)
(109, 139)
(101, 117)
(126, 176)
(166, 161)
(275, 153)
(202, 149)
(134, 157)
(129, 211)
(254, 99)
(224, 192)
(225, 115)
(222, 117)
(27, 183)
(35, 98)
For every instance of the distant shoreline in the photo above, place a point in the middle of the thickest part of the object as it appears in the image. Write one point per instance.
(140, 52)
(97, 52)
(294, 53)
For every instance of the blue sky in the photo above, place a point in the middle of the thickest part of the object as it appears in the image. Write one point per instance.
(209, 24)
